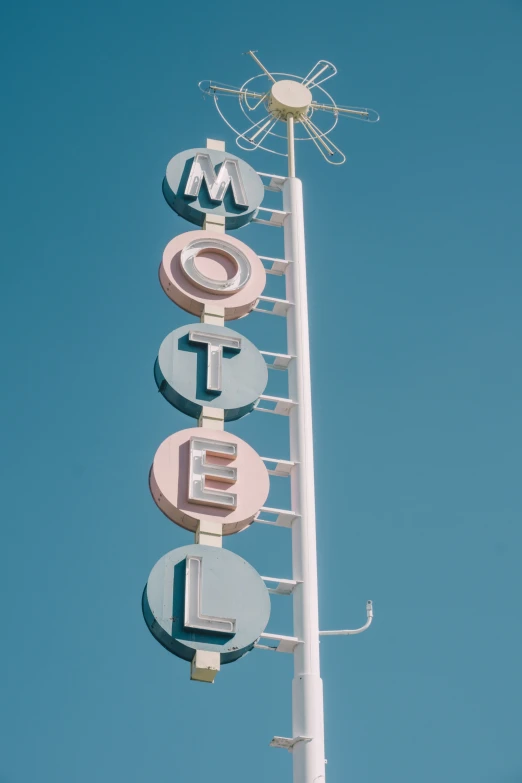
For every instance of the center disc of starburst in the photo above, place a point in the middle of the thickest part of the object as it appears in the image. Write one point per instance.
(289, 98)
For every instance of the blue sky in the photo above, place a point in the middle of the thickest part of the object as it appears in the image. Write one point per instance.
(415, 277)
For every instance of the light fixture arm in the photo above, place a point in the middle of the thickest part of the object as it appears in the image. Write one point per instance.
(369, 616)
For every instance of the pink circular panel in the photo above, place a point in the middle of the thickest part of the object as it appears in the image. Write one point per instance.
(215, 265)
(187, 463)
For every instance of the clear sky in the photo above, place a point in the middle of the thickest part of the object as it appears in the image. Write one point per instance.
(415, 279)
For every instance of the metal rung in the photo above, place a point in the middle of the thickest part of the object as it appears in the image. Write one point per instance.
(279, 306)
(285, 644)
(282, 406)
(277, 217)
(287, 743)
(280, 360)
(281, 586)
(282, 518)
(275, 266)
(275, 181)
(280, 467)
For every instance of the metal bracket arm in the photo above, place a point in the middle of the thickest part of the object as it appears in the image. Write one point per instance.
(286, 644)
(288, 743)
(369, 616)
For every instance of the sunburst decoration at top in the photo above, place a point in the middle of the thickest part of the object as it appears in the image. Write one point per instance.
(269, 99)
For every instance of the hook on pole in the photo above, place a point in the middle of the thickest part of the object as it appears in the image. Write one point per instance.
(369, 618)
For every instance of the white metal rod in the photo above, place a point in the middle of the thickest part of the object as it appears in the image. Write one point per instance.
(271, 122)
(307, 687)
(347, 632)
(316, 75)
(291, 146)
(340, 109)
(258, 61)
(260, 101)
(352, 632)
(314, 132)
(232, 91)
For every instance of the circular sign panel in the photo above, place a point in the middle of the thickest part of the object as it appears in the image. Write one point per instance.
(201, 182)
(205, 598)
(207, 365)
(211, 476)
(203, 268)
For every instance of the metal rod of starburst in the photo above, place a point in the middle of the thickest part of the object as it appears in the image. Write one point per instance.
(307, 687)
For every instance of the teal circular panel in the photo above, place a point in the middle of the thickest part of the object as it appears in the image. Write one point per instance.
(205, 598)
(192, 371)
(201, 182)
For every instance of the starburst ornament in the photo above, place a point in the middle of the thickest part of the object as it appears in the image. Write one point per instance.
(269, 99)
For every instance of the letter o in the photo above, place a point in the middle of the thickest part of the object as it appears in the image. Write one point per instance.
(228, 285)
(204, 269)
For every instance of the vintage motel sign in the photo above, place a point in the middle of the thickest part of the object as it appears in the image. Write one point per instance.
(201, 182)
(208, 475)
(203, 268)
(207, 365)
(206, 599)
(202, 602)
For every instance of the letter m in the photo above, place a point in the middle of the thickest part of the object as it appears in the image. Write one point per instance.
(217, 183)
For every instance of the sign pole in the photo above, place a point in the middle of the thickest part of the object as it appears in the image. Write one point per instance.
(307, 686)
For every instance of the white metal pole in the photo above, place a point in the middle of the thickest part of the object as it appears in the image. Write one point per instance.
(307, 686)
(291, 145)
